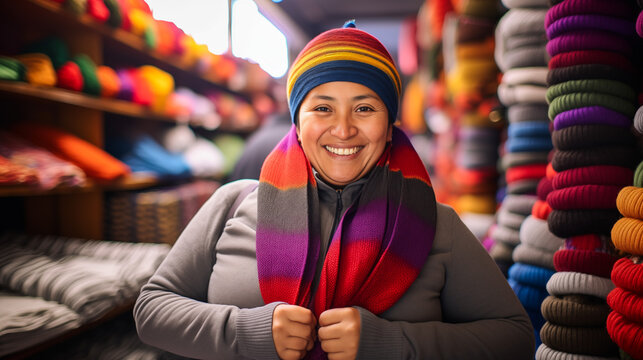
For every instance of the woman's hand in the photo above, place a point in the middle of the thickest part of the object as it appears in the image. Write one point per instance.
(339, 332)
(293, 331)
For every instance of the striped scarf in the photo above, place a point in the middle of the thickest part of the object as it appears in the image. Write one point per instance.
(380, 243)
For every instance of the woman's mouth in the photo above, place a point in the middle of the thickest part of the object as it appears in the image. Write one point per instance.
(343, 151)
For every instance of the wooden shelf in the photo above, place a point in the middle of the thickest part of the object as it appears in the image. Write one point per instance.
(132, 182)
(116, 40)
(58, 95)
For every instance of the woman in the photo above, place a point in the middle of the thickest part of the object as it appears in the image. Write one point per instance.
(342, 251)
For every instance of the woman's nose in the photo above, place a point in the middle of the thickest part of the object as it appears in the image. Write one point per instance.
(343, 127)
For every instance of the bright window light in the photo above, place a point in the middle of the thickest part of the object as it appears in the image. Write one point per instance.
(255, 38)
(205, 20)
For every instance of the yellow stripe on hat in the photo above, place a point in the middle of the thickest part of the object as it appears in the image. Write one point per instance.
(334, 53)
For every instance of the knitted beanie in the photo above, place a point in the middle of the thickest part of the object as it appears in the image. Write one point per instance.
(508, 219)
(527, 254)
(575, 310)
(628, 274)
(527, 112)
(544, 352)
(630, 202)
(592, 242)
(523, 93)
(580, 340)
(585, 136)
(345, 54)
(626, 303)
(510, 160)
(580, 57)
(11, 69)
(530, 275)
(593, 175)
(545, 186)
(530, 296)
(627, 334)
(519, 204)
(627, 235)
(535, 232)
(566, 223)
(505, 235)
(584, 261)
(68, 76)
(605, 86)
(620, 9)
(589, 40)
(589, 71)
(39, 69)
(584, 197)
(625, 156)
(91, 85)
(574, 23)
(528, 129)
(588, 115)
(523, 172)
(541, 210)
(576, 100)
(567, 283)
(526, 75)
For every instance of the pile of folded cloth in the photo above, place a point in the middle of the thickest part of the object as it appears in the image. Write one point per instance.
(52, 284)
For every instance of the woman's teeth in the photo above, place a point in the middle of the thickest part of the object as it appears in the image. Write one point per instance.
(343, 151)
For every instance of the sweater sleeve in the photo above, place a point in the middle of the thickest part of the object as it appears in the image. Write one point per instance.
(482, 317)
(172, 311)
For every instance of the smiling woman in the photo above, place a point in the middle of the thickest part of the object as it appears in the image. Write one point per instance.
(341, 251)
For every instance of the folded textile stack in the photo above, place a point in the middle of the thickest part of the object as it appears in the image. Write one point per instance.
(592, 101)
(155, 216)
(520, 55)
(26, 321)
(59, 283)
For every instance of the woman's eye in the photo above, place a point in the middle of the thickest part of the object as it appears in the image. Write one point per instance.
(364, 108)
(322, 108)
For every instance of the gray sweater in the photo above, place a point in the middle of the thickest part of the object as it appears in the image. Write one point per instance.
(204, 300)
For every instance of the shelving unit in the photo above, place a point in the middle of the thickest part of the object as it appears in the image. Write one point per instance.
(78, 212)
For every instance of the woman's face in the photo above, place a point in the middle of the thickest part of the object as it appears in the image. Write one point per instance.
(343, 128)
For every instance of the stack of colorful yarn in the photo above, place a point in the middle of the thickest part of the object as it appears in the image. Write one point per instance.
(157, 215)
(472, 81)
(592, 102)
(520, 54)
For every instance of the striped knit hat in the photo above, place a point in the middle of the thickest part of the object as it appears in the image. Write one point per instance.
(344, 54)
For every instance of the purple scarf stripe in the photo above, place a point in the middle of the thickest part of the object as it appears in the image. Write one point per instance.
(297, 245)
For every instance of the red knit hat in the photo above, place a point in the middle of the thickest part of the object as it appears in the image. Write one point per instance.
(585, 261)
(626, 334)
(593, 175)
(541, 209)
(628, 274)
(626, 303)
(584, 197)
